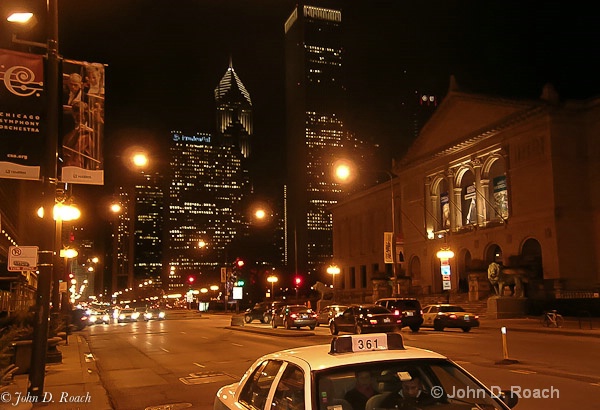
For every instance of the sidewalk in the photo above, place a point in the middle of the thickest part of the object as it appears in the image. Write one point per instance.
(571, 326)
(73, 384)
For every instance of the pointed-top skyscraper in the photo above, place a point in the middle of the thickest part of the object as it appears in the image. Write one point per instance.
(234, 111)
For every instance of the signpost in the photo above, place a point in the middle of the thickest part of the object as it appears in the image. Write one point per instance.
(22, 258)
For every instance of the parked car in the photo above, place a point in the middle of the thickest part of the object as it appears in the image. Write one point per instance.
(409, 309)
(128, 315)
(365, 319)
(327, 313)
(79, 319)
(259, 311)
(296, 316)
(445, 315)
(154, 314)
(317, 377)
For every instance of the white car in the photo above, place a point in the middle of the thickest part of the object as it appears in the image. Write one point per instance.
(318, 377)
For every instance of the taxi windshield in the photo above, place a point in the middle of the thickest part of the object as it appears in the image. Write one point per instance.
(417, 383)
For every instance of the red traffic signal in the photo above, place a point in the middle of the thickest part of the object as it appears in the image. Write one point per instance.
(239, 263)
(298, 281)
(191, 279)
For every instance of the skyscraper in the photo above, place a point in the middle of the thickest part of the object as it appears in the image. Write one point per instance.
(208, 182)
(315, 131)
(234, 111)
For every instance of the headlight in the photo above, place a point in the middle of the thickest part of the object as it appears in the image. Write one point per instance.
(135, 315)
(106, 318)
(161, 315)
(148, 315)
(92, 319)
(121, 316)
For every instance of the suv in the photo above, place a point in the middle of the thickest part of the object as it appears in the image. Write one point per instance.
(258, 312)
(408, 308)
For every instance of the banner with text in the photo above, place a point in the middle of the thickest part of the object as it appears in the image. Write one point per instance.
(388, 250)
(22, 115)
(82, 129)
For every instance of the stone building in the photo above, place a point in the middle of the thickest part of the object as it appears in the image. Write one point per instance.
(515, 182)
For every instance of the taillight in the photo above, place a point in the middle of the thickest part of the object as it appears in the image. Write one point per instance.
(452, 316)
(476, 317)
(397, 312)
(373, 321)
(293, 316)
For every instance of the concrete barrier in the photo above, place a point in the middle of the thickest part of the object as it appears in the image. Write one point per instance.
(237, 320)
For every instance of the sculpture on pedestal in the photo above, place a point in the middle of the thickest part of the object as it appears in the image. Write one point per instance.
(499, 278)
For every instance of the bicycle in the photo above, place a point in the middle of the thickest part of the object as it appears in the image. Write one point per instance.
(552, 319)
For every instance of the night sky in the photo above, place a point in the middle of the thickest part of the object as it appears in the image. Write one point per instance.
(165, 57)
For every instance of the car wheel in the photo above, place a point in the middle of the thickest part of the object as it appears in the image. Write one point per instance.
(437, 327)
(266, 320)
(466, 329)
(312, 327)
(333, 329)
(415, 329)
(247, 319)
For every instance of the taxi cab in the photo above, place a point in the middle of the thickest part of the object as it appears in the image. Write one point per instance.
(318, 377)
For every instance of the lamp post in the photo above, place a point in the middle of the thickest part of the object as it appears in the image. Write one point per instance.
(344, 171)
(444, 255)
(272, 280)
(48, 227)
(333, 270)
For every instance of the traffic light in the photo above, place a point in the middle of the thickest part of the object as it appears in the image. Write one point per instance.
(298, 281)
(239, 263)
(191, 280)
(240, 283)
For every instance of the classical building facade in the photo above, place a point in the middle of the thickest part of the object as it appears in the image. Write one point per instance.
(505, 181)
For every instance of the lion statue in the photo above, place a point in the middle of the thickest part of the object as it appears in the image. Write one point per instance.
(499, 279)
(325, 292)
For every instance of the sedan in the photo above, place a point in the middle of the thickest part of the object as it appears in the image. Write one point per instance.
(296, 316)
(444, 315)
(99, 317)
(317, 377)
(326, 315)
(154, 314)
(128, 315)
(364, 319)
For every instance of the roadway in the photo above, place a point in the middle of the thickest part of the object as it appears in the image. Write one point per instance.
(184, 360)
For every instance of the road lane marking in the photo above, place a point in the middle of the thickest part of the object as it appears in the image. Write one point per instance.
(198, 364)
(523, 371)
(595, 384)
(164, 350)
(236, 344)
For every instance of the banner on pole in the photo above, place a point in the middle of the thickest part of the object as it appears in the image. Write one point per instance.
(22, 115)
(388, 250)
(82, 130)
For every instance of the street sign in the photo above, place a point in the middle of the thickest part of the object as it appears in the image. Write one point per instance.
(22, 258)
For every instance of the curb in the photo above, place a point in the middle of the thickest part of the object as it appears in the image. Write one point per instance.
(554, 331)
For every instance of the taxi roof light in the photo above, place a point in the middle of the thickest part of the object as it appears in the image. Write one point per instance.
(366, 342)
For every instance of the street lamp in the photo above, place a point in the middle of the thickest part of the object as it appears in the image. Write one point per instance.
(345, 172)
(333, 270)
(272, 280)
(47, 226)
(444, 255)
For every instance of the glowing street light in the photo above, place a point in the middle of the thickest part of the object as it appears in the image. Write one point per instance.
(272, 280)
(345, 172)
(333, 270)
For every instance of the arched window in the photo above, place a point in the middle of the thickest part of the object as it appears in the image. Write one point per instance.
(497, 191)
